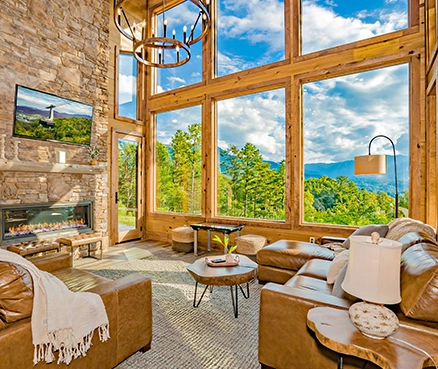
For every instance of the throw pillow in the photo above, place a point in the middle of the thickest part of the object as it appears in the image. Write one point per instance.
(336, 265)
(382, 229)
(338, 291)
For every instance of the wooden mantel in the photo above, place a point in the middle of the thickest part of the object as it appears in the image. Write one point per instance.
(27, 166)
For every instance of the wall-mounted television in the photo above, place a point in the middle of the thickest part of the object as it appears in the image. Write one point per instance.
(43, 116)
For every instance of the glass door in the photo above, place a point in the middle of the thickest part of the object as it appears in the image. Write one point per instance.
(126, 187)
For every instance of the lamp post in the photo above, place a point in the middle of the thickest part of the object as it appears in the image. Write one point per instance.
(376, 164)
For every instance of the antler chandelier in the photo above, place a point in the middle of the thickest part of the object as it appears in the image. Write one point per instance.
(152, 50)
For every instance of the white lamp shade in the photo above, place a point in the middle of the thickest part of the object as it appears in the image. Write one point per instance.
(370, 164)
(373, 272)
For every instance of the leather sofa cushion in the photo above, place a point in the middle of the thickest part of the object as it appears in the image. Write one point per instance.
(79, 280)
(315, 268)
(16, 293)
(419, 282)
(291, 255)
(309, 283)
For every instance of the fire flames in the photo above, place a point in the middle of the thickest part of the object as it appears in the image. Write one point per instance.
(25, 229)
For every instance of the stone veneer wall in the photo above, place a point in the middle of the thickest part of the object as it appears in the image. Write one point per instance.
(60, 47)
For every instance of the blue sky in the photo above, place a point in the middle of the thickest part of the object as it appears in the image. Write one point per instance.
(352, 108)
(40, 100)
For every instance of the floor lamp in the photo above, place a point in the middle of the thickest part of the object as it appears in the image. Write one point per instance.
(376, 164)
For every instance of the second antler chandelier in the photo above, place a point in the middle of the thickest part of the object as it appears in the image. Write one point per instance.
(157, 49)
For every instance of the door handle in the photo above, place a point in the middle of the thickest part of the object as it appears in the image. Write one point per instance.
(117, 197)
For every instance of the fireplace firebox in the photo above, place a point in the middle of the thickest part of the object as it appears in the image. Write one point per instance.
(37, 221)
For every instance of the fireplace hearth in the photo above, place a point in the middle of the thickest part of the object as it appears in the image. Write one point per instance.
(21, 223)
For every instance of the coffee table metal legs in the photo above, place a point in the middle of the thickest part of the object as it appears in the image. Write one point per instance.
(196, 304)
(234, 297)
(236, 305)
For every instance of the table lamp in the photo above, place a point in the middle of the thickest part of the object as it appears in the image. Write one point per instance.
(373, 275)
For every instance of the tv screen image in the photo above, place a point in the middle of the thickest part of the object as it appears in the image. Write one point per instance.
(43, 116)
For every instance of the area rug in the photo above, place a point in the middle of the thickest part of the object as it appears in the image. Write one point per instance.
(184, 337)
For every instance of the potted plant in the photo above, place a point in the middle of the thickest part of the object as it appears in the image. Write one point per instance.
(93, 152)
(229, 257)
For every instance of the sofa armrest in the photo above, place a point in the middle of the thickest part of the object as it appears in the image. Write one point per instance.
(134, 314)
(52, 262)
(283, 331)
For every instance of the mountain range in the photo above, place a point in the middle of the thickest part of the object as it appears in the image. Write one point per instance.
(345, 168)
(377, 183)
(45, 113)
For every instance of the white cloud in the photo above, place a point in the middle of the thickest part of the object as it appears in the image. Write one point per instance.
(256, 21)
(343, 114)
(176, 80)
(258, 119)
(127, 88)
(324, 28)
(41, 100)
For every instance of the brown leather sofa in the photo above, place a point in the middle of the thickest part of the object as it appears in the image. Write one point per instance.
(128, 303)
(285, 342)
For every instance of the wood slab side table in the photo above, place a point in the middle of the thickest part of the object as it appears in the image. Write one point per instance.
(334, 330)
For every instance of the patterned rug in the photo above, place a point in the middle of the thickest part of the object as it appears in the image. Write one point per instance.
(184, 337)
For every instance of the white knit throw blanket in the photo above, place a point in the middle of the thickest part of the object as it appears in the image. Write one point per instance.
(62, 320)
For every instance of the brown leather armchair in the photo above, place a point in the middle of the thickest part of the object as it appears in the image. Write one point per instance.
(128, 303)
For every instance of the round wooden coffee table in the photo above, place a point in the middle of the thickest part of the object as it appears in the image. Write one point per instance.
(232, 276)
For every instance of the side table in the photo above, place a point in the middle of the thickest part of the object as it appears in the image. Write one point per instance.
(226, 229)
(334, 330)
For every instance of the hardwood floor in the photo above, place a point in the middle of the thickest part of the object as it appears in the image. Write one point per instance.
(123, 252)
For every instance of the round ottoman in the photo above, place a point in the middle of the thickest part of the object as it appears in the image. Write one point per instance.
(249, 244)
(183, 239)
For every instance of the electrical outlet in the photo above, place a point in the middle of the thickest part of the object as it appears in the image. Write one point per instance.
(312, 239)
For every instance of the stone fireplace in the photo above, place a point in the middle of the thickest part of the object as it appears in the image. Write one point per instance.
(40, 52)
(20, 223)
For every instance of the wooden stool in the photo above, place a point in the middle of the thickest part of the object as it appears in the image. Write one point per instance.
(249, 244)
(183, 239)
(80, 240)
(26, 249)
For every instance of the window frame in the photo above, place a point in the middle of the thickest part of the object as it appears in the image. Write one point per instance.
(284, 83)
(414, 133)
(152, 170)
(296, 24)
(140, 73)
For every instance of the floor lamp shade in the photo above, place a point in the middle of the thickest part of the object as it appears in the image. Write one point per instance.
(370, 164)
(373, 272)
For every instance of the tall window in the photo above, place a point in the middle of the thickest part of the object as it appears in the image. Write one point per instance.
(341, 116)
(179, 161)
(251, 156)
(127, 86)
(331, 23)
(249, 34)
(191, 72)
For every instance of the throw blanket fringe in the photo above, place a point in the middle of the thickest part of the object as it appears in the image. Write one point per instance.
(62, 320)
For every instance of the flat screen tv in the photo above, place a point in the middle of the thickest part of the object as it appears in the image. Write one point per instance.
(42, 116)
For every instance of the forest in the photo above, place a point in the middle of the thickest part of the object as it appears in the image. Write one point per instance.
(249, 188)
(72, 130)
